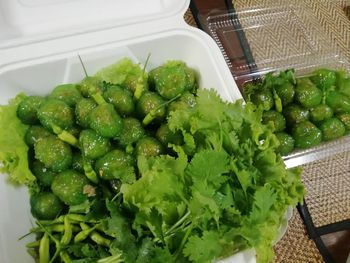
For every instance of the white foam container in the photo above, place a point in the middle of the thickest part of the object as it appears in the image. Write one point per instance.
(39, 46)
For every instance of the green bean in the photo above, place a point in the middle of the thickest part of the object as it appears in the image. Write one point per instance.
(100, 228)
(100, 240)
(44, 249)
(77, 218)
(84, 226)
(68, 230)
(59, 219)
(82, 235)
(65, 257)
(33, 244)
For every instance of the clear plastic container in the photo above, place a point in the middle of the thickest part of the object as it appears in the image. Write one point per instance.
(272, 40)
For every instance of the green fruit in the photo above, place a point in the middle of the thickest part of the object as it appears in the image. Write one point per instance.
(306, 135)
(307, 94)
(279, 122)
(70, 186)
(286, 143)
(295, 114)
(286, 93)
(320, 112)
(331, 129)
(45, 206)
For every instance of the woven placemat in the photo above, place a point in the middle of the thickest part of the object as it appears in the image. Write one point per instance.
(189, 18)
(295, 246)
(331, 15)
(328, 189)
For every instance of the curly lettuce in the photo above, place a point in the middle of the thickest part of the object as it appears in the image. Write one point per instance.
(229, 192)
(13, 149)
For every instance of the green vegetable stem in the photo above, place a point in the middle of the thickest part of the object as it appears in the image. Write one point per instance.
(90, 86)
(140, 84)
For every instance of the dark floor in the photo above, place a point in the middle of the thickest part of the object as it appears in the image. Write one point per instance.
(338, 244)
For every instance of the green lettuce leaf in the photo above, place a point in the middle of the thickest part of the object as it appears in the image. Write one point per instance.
(13, 149)
(124, 72)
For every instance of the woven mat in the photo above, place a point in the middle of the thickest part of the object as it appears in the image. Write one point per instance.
(331, 15)
(327, 181)
(295, 246)
(328, 185)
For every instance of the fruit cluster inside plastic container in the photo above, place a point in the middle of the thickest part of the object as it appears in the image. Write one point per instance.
(276, 39)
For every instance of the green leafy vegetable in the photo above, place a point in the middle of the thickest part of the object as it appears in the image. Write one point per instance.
(13, 149)
(234, 188)
(216, 189)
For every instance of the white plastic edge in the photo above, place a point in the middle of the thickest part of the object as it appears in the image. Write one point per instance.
(22, 23)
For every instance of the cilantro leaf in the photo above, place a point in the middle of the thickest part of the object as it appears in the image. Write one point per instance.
(210, 167)
(203, 248)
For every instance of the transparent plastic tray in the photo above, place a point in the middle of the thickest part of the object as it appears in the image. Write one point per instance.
(272, 40)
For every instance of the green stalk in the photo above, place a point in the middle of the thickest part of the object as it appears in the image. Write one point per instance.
(111, 259)
(89, 172)
(153, 113)
(178, 223)
(95, 95)
(129, 149)
(183, 241)
(140, 87)
(65, 136)
(98, 98)
(278, 101)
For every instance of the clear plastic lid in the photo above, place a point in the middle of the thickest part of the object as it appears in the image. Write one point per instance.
(258, 40)
(271, 39)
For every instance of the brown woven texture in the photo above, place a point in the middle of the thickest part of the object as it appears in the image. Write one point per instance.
(328, 185)
(330, 15)
(189, 18)
(295, 246)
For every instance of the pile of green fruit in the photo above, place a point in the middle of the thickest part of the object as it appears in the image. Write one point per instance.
(304, 111)
(136, 166)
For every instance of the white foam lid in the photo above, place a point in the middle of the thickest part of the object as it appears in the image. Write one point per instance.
(27, 21)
